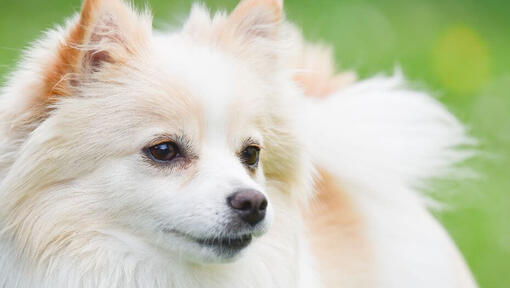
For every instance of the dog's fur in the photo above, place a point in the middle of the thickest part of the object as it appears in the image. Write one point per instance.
(82, 205)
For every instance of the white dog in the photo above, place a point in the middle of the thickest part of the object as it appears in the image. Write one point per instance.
(134, 158)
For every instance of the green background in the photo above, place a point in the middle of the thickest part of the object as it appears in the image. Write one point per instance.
(457, 49)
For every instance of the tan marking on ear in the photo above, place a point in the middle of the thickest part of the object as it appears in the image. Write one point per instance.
(251, 15)
(245, 8)
(78, 54)
(251, 31)
(337, 237)
(68, 55)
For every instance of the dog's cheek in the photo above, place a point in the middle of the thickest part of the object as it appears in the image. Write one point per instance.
(128, 197)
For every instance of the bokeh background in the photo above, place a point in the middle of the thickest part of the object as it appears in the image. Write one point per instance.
(459, 50)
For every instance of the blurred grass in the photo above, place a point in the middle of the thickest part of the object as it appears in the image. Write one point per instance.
(459, 50)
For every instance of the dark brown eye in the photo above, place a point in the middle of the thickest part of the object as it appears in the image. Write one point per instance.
(250, 156)
(164, 152)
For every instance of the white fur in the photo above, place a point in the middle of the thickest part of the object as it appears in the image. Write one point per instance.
(382, 140)
(82, 207)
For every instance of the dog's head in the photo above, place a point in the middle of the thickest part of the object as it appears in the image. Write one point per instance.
(179, 140)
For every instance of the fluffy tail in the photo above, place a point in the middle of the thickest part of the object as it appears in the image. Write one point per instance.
(376, 143)
(378, 133)
(379, 141)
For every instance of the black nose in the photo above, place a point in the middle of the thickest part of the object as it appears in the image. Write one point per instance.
(249, 204)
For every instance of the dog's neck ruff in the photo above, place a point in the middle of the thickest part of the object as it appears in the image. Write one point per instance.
(110, 264)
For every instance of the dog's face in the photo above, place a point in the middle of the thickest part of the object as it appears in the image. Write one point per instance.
(191, 177)
(169, 139)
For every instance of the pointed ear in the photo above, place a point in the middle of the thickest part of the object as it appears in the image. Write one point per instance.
(257, 18)
(254, 28)
(107, 32)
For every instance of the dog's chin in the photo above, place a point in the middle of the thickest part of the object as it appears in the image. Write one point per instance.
(211, 249)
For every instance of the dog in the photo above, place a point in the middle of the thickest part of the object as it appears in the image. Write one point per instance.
(226, 153)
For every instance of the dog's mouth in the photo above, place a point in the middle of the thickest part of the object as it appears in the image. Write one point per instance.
(226, 243)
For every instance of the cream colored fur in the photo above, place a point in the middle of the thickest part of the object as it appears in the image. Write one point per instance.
(82, 206)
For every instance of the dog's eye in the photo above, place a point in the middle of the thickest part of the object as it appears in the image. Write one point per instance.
(164, 152)
(250, 156)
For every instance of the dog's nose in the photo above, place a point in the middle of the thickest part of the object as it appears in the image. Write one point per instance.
(249, 204)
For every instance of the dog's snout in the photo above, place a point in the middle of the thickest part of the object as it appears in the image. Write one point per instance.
(249, 204)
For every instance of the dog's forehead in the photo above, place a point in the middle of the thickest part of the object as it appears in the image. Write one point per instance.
(226, 94)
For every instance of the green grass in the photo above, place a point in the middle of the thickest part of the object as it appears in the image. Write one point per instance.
(459, 50)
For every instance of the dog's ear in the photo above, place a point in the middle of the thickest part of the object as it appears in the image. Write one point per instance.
(103, 36)
(257, 19)
(107, 32)
(254, 30)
